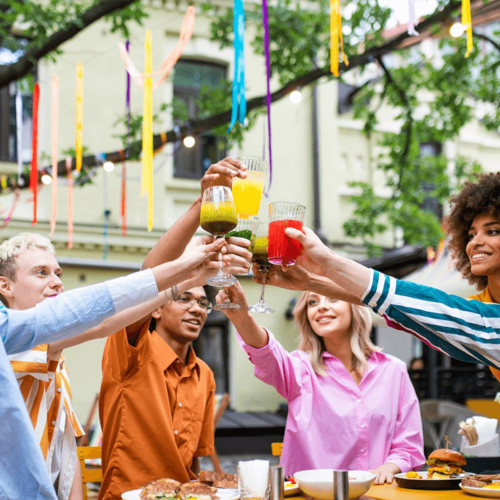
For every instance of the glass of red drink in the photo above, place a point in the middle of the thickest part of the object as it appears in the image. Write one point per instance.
(283, 250)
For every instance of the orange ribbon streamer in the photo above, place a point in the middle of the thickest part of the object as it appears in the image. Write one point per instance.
(79, 116)
(55, 131)
(335, 37)
(70, 202)
(170, 61)
(467, 24)
(34, 151)
(123, 211)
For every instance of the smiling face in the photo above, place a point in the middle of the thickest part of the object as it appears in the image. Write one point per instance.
(483, 248)
(179, 323)
(329, 317)
(38, 276)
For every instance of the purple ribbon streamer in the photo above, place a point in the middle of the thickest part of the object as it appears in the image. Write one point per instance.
(268, 97)
(127, 104)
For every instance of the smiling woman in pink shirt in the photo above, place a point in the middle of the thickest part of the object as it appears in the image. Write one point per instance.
(350, 406)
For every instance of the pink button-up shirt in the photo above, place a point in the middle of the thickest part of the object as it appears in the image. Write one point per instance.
(332, 422)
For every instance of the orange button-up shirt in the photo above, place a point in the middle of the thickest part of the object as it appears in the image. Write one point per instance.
(156, 414)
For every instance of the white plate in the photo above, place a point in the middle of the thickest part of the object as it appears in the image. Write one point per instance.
(291, 490)
(481, 492)
(222, 493)
(132, 495)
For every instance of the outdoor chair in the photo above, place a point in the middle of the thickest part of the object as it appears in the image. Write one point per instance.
(92, 474)
(221, 402)
(276, 449)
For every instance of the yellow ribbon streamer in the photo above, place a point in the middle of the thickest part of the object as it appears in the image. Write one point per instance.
(3, 182)
(336, 37)
(467, 24)
(147, 129)
(79, 116)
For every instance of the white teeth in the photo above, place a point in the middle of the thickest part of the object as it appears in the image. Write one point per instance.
(479, 256)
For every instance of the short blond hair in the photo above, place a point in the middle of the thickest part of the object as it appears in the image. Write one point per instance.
(11, 249)
(312, 344)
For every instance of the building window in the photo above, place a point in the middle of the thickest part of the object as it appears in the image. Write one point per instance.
(430, 150)
(8, 124)
(189, 78)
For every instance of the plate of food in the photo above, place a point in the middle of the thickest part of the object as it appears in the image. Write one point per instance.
(482, 485)
(445, 472)
(291, 487)
(169, 489)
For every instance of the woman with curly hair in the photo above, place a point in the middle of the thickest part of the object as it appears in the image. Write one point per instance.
(474, 227)
(350, 406)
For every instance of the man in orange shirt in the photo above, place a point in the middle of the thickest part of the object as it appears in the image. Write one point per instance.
(156, 400)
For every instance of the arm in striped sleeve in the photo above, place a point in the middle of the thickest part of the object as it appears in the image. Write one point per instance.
(468, 330)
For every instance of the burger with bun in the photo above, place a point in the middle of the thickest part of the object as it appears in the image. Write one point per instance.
(443, 463)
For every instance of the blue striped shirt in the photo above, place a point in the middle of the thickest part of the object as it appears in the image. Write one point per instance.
(468, 330)
(23, 474)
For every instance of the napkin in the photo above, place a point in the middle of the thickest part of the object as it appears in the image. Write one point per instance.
(479, 438)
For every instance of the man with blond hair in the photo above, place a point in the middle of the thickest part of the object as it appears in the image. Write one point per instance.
(68, 319)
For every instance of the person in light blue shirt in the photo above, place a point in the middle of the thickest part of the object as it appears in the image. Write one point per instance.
(23, 475)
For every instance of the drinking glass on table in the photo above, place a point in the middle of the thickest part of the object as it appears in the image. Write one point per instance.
(218, 217)
(259, 256)
(283, 250)
(247, 192)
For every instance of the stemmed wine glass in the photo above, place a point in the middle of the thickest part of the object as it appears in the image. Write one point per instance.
(259, 255)
(218, 217)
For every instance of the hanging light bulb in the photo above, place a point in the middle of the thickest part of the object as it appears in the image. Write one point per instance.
(46, 179)
(296, 96)
(108, 166)
(189, 141)
(457, 30)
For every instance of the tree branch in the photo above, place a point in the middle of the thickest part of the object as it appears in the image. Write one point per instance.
(28, 61)
(197, 127)
(486, 38)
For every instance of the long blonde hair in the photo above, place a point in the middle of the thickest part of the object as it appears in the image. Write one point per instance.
(312, 344)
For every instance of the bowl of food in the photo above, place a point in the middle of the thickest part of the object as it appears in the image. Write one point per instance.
(319, 483)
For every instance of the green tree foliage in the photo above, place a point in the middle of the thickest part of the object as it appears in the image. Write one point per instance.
(433, 98)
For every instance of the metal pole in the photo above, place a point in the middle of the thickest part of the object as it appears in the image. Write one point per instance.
(277, 482)
(340, 485)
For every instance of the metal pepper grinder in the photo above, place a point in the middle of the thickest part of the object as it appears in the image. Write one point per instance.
(277, 482)
(340, 485)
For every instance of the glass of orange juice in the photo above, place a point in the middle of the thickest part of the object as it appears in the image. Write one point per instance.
(247, 193)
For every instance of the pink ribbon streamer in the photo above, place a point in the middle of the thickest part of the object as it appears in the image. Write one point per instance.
(55, 131)
(17, 194)
(70, 202)
(170, 61)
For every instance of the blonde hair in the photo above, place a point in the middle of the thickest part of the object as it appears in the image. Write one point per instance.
(11, 249)
(312, 344)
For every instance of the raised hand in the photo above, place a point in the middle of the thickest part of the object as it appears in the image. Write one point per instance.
(315, 255)
(236, 295)
(222, 173)
(201, 253)
(295, 278)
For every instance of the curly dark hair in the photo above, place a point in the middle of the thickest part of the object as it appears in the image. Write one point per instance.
(482, 196)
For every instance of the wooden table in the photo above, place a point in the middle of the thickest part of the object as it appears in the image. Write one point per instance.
(393, 492)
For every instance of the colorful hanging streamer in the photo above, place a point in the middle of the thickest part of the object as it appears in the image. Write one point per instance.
(467, 24)
(239, 108)
(147, 130)
(34, 151)
(411, 18)
(70, 201)
(265, 19)
(17, 194)
(19, 136)
(55, 132)
(79, 116)
(127, 101)
(336, 37)
(123, 205)
(170, 61)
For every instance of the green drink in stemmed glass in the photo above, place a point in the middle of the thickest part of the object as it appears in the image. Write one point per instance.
(259, 256)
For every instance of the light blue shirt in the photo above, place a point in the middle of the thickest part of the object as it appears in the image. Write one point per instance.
(23, 474)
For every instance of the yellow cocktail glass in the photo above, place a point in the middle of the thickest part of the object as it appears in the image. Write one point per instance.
(247, 193)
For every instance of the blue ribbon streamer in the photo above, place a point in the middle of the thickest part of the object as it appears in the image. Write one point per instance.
(239, 109)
